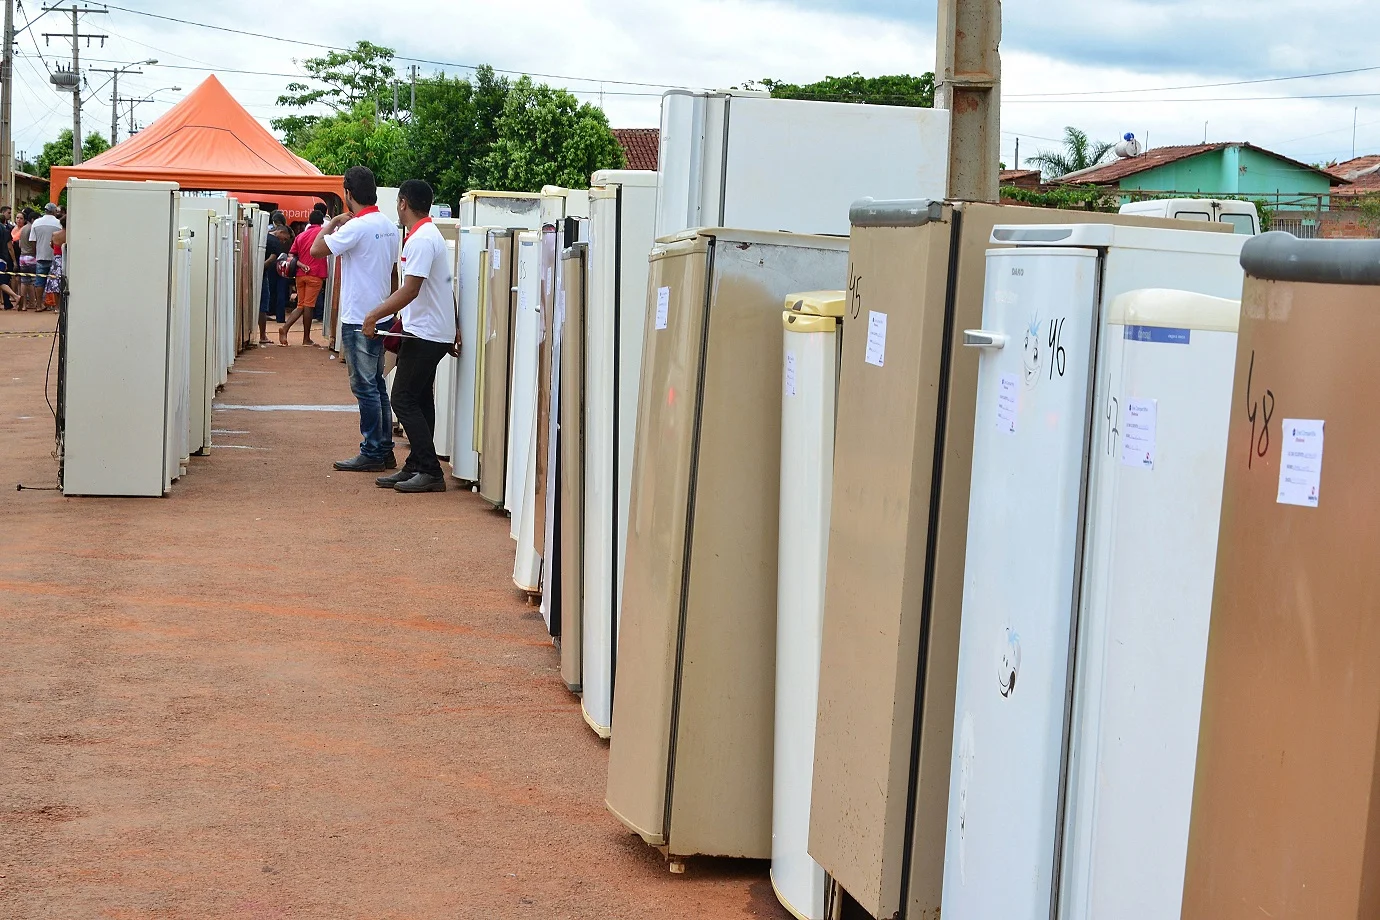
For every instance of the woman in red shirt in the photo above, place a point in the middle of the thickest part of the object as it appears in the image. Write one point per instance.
(311, 275)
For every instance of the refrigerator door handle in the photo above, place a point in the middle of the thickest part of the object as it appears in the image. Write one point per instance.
(981, 338)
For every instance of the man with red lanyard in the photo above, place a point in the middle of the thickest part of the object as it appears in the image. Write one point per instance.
(311, 275)
(427, 303)
(367, 243)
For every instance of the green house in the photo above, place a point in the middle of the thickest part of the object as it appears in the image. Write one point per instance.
(1213, 170)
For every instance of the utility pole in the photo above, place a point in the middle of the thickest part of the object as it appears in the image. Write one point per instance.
(76, 36)
(968, 84)
(6, 103)
(115, 93)
(413, 107)
(1017, 164)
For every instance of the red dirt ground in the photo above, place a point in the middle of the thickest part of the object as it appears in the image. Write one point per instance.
(282, 692)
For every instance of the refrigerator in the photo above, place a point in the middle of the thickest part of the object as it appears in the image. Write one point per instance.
(739, 158)
(569, 546)
(444, 386)
(813, 335)
(498, 284)
(203, 357)
(119, 344)
(622, 208)
(690, 766)
(180, 356)
(1027, 566)
(464, 457)
(522, 409)
(1284, 809)
(556, 239)
(898, 533)
(512, 210)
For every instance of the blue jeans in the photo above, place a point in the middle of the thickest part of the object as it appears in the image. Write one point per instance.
(364, 359)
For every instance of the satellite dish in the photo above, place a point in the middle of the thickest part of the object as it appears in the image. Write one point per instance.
(1129, 146)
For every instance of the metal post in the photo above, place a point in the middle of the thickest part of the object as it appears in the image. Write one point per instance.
(76, 92)
(968, 84)
(413, 107)
(115, 108)
(6, 103)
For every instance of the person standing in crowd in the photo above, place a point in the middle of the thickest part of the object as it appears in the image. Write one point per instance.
(6, 271)
(41, 232)
(27, 262)
(427, 304)
(273, 294)
(366, 243)
(52, 292)
(311, 277)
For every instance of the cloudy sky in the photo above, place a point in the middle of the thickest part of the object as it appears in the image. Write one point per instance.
(1169, 70)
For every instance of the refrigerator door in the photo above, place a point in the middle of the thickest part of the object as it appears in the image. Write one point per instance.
(621, 227)
(497, 334)
(464, 459)
(514, 210)
(523, 380)
(202, 357)
(1159, 446)
(808, 397)
(550, 252)
(570, 309)
(1285, 820)
(1024, 533)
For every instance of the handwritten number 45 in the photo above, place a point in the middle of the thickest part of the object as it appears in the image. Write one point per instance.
(1259, 444)
(1056, 349)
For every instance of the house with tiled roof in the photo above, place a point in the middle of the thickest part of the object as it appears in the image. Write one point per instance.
(1221, 169)
(1362, 175)
(640, 146)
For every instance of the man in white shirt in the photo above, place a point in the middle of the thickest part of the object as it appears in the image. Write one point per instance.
(426, 300)
(367, 243)
(41, 233)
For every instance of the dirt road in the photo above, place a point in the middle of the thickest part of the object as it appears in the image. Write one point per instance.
(283, 692)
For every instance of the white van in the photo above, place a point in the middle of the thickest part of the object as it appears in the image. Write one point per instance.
(1242, 215)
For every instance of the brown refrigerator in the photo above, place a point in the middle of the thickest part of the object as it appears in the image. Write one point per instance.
(690, 767)
(1286, 816)
(496, 329)
(897, 543)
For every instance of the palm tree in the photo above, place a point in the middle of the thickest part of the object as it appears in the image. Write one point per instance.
(1078, 153)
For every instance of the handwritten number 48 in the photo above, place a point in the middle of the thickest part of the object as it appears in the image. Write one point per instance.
(1058, 359)
(1259, 444)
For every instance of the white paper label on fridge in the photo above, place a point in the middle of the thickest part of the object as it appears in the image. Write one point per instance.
(1300, 462)
(1006, 404)
(790, 373)
(876, 338)
(497, 259)
(560, 308)
(522, 299)
(663, 306)
(1138, 433)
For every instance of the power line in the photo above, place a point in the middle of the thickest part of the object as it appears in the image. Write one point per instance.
(1165, 89)
(1211, 99)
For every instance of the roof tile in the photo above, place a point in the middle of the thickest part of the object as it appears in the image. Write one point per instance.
(640, 146)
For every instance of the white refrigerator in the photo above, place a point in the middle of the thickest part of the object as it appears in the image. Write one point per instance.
(522, 414)
(509, 210)
(464, 456)
(738, 158)
(622, 209)
(813, 324)
(1044, 314)
(120, 359)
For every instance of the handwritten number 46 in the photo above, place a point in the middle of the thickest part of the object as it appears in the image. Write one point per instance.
(1259, 444)
(1056, 349)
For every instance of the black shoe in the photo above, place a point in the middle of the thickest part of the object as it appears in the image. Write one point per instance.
(388, 482)
(422, 482)
(391, 461)
(360, 464)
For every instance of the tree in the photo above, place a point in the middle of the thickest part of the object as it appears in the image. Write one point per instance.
(898, 89)
(59, 152)
(452, 126)
(1078, 153)
(343, 79)
(1370, 212)
(356, 138)
(546, 137)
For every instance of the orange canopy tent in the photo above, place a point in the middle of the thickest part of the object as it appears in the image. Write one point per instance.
(208, 142)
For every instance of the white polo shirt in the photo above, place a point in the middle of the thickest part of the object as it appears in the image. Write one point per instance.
(369, 247)
(432, 314)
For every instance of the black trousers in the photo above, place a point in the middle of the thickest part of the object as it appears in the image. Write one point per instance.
(414, 401)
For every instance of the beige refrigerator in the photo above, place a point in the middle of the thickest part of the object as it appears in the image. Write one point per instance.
(1286, 820)
(569, 404)
(690, 767)
(897, 542)
(497, 282)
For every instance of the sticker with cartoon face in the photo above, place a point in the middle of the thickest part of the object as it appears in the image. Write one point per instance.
(1032, 356)
(1008, 661)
